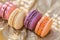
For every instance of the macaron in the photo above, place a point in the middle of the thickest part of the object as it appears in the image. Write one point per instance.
(9, 10)
(6, 10)
(0, 9)
(43, 26)
(32, 19)
(16, 18)
(3, 8)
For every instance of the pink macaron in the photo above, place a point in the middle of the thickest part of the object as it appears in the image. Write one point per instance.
(9, 10)
(3, 8)
(0, 9)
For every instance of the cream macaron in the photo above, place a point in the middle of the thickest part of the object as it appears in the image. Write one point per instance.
(16, 18)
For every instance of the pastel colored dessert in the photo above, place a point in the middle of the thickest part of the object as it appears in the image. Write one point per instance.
(43, 26)
(6, 10)
(3, 8)
(0, 9)
(32, 19)
(16, 18)
(9, 10)
(27, 4)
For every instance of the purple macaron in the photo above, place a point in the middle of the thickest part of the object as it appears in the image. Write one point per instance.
(32, 19)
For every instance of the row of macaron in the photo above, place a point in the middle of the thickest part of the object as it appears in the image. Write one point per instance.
(34, 21)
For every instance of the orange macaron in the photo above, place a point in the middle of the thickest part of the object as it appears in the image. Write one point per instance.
(43, 26)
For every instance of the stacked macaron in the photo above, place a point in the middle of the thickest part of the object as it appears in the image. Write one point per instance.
(41, 25)
(6, 9)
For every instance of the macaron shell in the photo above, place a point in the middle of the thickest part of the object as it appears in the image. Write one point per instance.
(46, 28)
(42, 25)
(9, 11)
(19, 19)
(12, 16)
